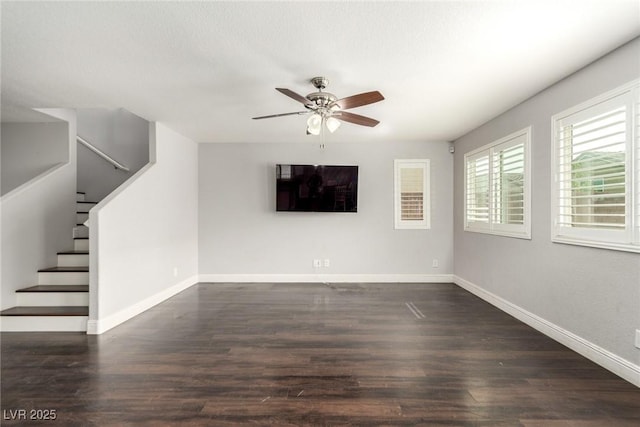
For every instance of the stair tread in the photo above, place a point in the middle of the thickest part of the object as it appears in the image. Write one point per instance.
(46, 311)
(56, 288)
(65, 270)
(74, 253)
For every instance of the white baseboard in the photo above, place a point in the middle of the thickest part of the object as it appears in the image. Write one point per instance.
(99, 326)
(330, 278)
(619, 366)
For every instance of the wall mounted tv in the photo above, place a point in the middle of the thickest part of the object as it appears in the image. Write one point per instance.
(314, 188)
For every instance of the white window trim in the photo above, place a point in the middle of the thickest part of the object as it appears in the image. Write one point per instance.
(629, 239)
(520, 231)
(425, 223)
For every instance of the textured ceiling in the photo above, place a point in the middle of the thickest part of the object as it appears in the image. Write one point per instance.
(206, 68)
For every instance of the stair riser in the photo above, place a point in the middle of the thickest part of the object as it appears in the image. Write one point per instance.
(73, 260)
(80, 197)
(80, 231)
(81, 218)
(47, 299)
(84, 206)
(81, 245)
(44, 323)
(63, 278)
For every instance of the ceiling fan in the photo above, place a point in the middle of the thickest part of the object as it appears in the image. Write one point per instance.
(326, 108)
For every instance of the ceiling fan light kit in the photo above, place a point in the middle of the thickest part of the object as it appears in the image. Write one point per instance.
(332, 124)
(314, 124)
(327, 109)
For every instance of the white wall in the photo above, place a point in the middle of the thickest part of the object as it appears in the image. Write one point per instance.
(144, 236)
(587, 298)
(121, 135)
(243, 238)
(29, 149)
(38, 216)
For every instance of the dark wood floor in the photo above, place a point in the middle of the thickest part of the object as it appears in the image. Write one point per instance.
(312, 354)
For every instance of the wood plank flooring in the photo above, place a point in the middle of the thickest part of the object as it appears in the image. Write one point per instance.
(312, 355)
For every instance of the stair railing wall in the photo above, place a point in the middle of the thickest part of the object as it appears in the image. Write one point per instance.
(37, 216)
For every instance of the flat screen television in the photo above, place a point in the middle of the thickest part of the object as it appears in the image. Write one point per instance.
(316, 188)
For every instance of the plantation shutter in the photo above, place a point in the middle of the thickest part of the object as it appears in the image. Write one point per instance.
(477, 185)
(592, 161)
(636, 175)
(411, 193)
(508, 191)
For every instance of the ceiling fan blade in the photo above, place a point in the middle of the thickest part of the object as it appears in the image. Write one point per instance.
(355, 119)
(291, 94)
(359, 100)
(280, 115)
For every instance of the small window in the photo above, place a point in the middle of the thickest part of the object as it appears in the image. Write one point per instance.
(497, 188)
(595, 172)
(412, 194)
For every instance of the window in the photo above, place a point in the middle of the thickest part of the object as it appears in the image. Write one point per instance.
(596, 186)
(412, 209)
(497, 188)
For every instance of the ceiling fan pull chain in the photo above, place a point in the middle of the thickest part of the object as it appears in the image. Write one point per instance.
(322, 132)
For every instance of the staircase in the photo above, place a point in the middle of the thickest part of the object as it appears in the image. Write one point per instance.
(60, 300)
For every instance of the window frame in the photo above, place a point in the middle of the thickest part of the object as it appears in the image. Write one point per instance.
(491, 226)
(627, 95)
(425, 222)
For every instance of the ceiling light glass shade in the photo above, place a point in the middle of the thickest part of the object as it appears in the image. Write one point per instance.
(332, 124)
(314, 124)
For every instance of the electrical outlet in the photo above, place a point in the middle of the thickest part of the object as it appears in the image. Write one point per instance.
(327, 262)
(435, 263)
(317, 263)
(638, 338)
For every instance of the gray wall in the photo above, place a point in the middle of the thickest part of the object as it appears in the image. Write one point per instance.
(592, 293)
(38, 217)
(29, 149)
(144, 236)
(242, 234)
(120, 134)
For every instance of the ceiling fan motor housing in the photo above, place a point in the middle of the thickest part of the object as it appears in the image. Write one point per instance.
(320, 98)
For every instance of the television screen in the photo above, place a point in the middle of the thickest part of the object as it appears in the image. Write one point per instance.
(313, 188)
